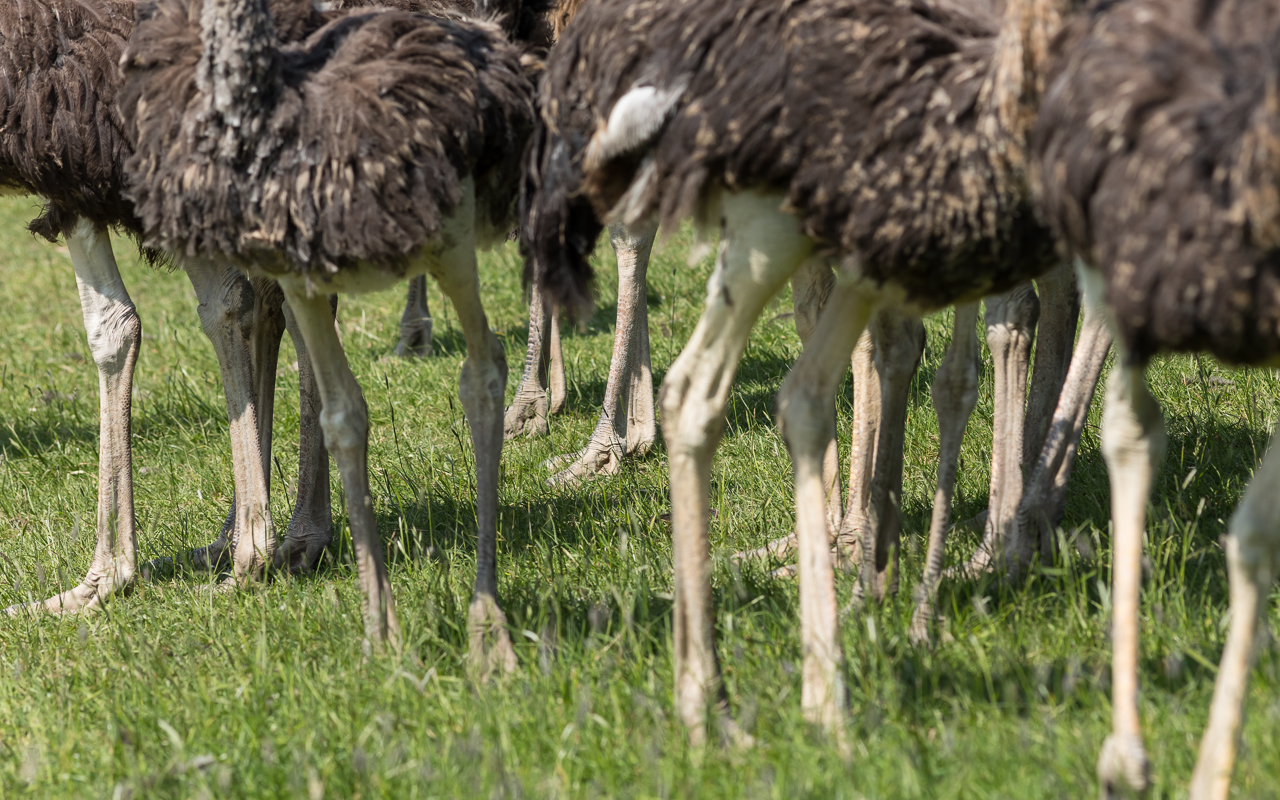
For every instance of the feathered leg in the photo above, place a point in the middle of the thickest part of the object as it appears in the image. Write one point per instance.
(114, 333)
(806, 409)
(311, 526)
(759, 250)
(228, 316)
(481, 386)
(1253, 561)
(345, 420)
(542, 388)
(955, 393)
(415, 322)
(627, 424)
(899, 343)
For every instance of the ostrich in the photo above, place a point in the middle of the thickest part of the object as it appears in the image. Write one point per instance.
(887, 136)
(63, 141)
(1159, 152)
(383, 146)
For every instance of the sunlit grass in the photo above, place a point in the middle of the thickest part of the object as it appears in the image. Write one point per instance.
(178, 691)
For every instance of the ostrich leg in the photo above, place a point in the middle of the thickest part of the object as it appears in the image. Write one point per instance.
(955, 393)
(1253, 560)
(899, 344)
(344, 418)
(480, 387)
(627, 425)
(863, 437)
(311, 527)
(415, 322)
(1045, 494)
(806, 406)
(1011, 323)
(1055, 337)
(759, 251)
(542, 389)
(227, 314)
(114, 333)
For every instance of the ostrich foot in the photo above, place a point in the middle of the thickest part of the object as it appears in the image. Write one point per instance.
(96, 587)
(490, 651)
(1123, 766)
(303, 544)
(415, 340)
(846, 553)
(602, 456)
(527, 416)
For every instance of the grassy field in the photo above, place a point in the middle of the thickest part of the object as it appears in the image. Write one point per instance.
(178, 691)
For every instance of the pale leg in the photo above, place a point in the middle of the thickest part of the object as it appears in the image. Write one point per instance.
(415, 322)
(863, 436)
(114, 333)
(311, 526)
(227, 314)
(542, 388)
(1045, 494)
(1011, 323)
(899, 344)
(1253, 560)
(345, 420)
(481, 387)
(955, 393)
(627, 425)
(759, 250)
(1055, 337)
(806, 408)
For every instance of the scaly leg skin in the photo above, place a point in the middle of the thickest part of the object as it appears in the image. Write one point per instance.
(899, 345)
(311, 527)
(415, 323)
(955, 393)
(806, 407)
(1253, 560)
(1055, 337)
(1045, 494)
(533, 404)
(344, 418)
(481, 387)
(1011, 323)
(228, 316)
(627, 425)
(759, 250)
(114, 333)
(810, 288)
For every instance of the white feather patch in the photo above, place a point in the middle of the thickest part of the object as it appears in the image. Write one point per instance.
(634, 119)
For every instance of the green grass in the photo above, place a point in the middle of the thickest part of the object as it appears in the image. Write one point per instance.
(177, 691)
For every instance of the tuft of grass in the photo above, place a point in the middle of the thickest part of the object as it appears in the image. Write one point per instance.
(181, 691)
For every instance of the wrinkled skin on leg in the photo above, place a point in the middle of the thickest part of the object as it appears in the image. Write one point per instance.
(230, 313)
(1055, 337)
(114, 333)
(898, 340)
(955, 393)
(627, 425)
(542, 390)
(759, 250)
(415, 322)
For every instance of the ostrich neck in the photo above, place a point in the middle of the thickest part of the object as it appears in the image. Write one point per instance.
(239, 70)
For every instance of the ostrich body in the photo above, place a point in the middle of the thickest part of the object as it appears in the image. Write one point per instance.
(379, 148)
(64, 141)
(888, 136)
(1159, 147)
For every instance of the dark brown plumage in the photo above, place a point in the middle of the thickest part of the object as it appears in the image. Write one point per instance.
(366, 130)
(1159, 143)
(896, 129)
